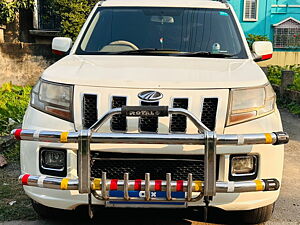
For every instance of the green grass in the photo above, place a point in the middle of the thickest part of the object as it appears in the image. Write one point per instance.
(12, 154)
(11, 190)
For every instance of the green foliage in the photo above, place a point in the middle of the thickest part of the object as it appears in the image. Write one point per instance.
(13, 103)
(9, 9)
(73, 14)
(275, 73)
(253, 37)
(293, 107)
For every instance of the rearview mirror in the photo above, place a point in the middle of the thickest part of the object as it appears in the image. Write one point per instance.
(262, 50)
(61, 45)
(162, 19)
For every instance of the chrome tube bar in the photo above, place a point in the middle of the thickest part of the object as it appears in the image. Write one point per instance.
(115, 111)
(198, 123)
(132, 138)
(190, 187)
(147, 186)
(84, 161)
(103, 186)
(210, 163)
(168, 185)
(126, 179)
(99, 123)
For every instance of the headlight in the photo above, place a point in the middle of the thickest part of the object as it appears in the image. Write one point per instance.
(250, 103)
(53, 98)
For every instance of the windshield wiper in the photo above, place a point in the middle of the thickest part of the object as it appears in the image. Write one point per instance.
(206, 54)
(153, 51)
(147, 51)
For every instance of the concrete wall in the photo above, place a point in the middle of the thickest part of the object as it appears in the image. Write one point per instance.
(23, 63)
(282, 59)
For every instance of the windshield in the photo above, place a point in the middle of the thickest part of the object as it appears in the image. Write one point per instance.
(165, 31)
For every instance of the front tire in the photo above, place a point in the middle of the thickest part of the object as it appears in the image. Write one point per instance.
(255, 216)
(46, 212)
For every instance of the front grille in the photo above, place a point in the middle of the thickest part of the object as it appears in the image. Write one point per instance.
(178, 122)
(89, 110)
(118, 122)
(116, 164)
(149, 123)
(209, 112)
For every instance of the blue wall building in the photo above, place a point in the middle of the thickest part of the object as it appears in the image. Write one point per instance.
(279, 20)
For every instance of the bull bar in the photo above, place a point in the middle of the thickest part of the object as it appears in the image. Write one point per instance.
(100, 187)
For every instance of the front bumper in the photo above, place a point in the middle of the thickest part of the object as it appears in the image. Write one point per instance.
(227, 200)
(69, 200)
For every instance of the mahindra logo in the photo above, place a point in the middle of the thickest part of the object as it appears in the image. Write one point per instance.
(150, 96)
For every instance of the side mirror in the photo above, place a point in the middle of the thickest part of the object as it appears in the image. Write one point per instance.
(262, 50)
(61, 45)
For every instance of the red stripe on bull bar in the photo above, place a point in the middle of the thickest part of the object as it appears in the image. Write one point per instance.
(114, 184)
(157, 185)
(25, 179)
(18, 134)
(179, 185)
(138, 184)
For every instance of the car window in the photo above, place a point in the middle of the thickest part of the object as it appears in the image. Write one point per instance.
(182, 29)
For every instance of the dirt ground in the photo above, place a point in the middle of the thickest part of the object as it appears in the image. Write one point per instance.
(287, 210)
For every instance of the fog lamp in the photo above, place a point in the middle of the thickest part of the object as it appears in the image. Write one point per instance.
(244, 166)
(53, 161)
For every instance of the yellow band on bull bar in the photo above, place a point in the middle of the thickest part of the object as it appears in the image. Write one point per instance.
(64, 137)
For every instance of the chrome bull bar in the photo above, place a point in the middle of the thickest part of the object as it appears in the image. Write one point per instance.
(190, 186)
(207, 188)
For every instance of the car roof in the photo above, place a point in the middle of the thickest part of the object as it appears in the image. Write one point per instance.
(165, 3)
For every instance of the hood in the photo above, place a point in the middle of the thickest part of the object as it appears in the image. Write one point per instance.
(155, 72)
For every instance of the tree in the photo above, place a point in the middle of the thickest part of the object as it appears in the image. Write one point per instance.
(10, 8)
(73, 14)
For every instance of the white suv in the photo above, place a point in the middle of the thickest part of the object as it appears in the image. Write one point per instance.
(176, 83)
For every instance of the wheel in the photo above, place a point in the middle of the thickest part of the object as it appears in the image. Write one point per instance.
(254, 216)
(46, 212)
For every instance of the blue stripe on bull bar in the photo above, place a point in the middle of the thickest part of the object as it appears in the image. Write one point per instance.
(141, 194)
(146, 203)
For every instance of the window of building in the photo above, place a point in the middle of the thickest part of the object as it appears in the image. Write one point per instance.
(47, 18)
(250, 10)
(287, 34)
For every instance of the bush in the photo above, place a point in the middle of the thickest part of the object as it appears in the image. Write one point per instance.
(13, 103)
(275, 73)
(253, 37)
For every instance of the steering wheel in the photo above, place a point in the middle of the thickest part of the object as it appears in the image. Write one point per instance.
(120, 45)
